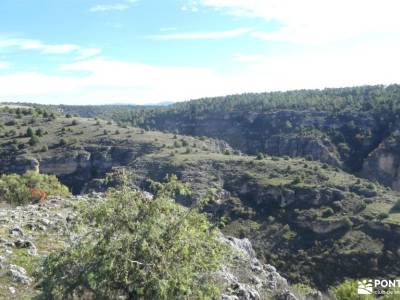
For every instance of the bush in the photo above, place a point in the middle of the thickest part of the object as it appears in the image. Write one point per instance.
(396, 206)
(348, 291)
(297, 180)
(34, 140)
(260, 156)
(15, 189)
(136, 249)
(39, 132)
(327, 212)
(62, 142)
(383, 215)
(347, 223)
(29, 132)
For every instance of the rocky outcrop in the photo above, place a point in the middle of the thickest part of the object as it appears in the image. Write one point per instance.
(340, 139)
(324, 226)
(383, 164)
(33, 231)
(321, 149)
(246, 278)
(19, 164)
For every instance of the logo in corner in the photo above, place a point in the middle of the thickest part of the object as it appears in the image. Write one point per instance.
(365, 287)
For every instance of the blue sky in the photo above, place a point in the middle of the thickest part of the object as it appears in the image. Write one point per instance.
(148, 51)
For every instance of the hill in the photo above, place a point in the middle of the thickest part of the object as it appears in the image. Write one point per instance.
(305, 217)
(356, 129)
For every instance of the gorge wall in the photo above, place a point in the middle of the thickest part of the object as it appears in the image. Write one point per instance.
(363, 143)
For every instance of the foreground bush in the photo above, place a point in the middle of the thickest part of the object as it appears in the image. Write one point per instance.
(348, 291)
(135, 248)
(16, 189)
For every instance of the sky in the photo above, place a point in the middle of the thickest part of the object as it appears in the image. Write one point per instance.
(151, 51)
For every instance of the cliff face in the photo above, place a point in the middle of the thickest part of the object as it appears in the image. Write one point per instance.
(74, 167)
(329, 137)
(355, 141)
(383, 164)
(303, 217)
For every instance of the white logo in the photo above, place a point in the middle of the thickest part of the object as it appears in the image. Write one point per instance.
(365, 287)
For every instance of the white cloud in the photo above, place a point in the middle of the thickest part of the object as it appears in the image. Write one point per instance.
(4, 65)
(113, 7)
(202, 35)
(316, 21)
(56, 49)
(360, 65)
(110, 81)
(190, 5)
(109, 7)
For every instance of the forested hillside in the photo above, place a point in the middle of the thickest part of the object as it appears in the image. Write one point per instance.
(302, 216)
(356, 129)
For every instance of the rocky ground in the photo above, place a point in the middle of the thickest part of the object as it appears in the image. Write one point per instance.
(30, 233)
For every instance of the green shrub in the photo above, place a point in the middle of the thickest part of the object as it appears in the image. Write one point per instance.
(327, 212)
(396, 206)
(302, 289)
(137, 249)
(297, 180)
(15, 189)
(34, 140)
(348, 223)
(29, 132)
(383, 215)
(260, 156)
(62, 142)
(39, 132)
(348, 291)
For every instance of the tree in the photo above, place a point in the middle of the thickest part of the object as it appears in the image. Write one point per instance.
(62, 142)
(39, 132)
(15, 189)
(348, 291)
(29, 132)
(136, 248)
(34, 140)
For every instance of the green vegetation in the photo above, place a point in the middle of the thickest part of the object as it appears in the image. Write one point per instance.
(34, 140)
(363, 98)
(302, 216)
(16, 189)
(137, 249)
(348, 291)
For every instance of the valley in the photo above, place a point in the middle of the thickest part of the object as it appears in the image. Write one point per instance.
(315, 191)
